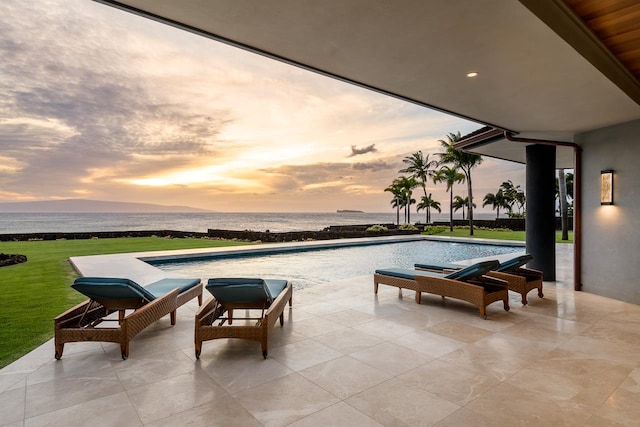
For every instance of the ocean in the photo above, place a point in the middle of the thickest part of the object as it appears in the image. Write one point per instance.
(197, 222)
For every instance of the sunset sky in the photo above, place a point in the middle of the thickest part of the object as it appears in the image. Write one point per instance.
(100, 104)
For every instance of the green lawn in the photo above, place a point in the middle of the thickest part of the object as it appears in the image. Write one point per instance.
(493, 234)
(33, 293)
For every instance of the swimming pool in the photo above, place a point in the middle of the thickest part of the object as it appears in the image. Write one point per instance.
(312, 267)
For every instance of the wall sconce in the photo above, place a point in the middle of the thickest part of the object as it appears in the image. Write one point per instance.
(606, 187)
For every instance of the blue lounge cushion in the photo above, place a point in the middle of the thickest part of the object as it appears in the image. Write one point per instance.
(467, 273)
(440, 266)
(111, 288)
(245, 290)
(515, 263)
(164, 286)
(406, 273)
(474, 270)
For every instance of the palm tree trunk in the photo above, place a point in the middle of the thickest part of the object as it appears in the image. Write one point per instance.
(398, 214)
(451, 210)
(470, 204)
(424, 188)
(564, 207)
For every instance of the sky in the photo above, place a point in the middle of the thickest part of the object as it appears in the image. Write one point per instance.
(97, 103)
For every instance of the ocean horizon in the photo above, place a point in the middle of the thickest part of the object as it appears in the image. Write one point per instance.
(46, 222)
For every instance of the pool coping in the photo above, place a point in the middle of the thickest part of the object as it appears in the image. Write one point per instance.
(135, 266)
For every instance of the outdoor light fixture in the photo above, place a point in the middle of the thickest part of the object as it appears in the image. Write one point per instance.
(472, 74)
(606, 187)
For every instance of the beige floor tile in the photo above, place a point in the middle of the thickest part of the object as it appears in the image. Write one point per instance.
(70, 390)
(511, 405)
(397, 402)
(338, 415)
(225, 411)
(485, 361)
(570, 377)
(391, 358)
(348, 340)
(71, 365)
(464, 417)
(459, 331)
(236, 371)
(345, 376)
(92, 413)
(168, 397)
(303, 354)
(428, 343)
(384, 329)
(285, 400)
(153, 368)
(350, 317)
(450, 382)
(12, 407)
(621, 408)
(621, 353)
(315, 326)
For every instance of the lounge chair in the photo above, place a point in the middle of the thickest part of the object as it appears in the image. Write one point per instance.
(469, 284)
(215, 318)
(85, 322)
(519, 279)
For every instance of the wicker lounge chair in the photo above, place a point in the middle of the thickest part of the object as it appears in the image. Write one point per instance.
(469, 284)
(519, 279)
(86, 321)
(215, 318)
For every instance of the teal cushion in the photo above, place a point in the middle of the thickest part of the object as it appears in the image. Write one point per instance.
(164, 286)
(241, 290)
(406, 273)
(474, 270)
(515, 263)
(112, 288)
(440, 266)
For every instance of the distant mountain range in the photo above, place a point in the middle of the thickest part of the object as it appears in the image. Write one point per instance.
(84, 206)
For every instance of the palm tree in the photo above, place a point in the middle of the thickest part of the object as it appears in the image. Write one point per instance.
(464, 161)
(450, 176)
(562, 191)
(497, 201)
(427, 203)
(396, 190)
(461, 203)
(407, 184)
(420, 168)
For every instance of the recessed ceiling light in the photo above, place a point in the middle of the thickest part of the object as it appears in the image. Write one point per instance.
(472, 74)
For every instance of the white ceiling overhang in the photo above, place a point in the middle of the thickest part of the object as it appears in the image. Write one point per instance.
(531, 81)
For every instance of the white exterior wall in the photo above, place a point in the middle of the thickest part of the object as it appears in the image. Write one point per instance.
(611, 234)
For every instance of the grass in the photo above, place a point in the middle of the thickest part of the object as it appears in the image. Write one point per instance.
(482, 233)
(33, 293)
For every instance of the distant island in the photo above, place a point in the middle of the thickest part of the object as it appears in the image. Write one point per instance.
(348, 211)
(90, 206)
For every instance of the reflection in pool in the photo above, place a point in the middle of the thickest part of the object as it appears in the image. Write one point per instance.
(311, 267)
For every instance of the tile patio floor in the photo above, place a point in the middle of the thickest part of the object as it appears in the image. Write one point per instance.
(348, 358)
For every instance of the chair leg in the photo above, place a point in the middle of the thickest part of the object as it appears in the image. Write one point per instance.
(524, 298)
(124, 350)
(418, 297)
(483, 312)
(264, 349)
(199, 300)
(506, 304)
(198, 349)
(540, 294)
(173, 317)
(230, 316)
(59, 350)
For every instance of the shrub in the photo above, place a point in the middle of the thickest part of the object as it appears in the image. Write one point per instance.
(407, 227)
(377, 227)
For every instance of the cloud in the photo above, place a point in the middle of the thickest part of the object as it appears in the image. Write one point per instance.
(359, 151)
(108, 105)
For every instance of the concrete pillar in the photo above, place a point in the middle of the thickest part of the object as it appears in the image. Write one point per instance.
(540, 222)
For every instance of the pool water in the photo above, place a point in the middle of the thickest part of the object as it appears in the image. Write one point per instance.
(312, 267)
